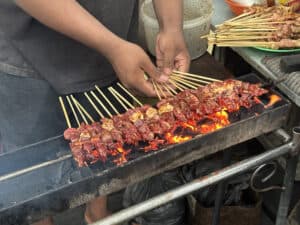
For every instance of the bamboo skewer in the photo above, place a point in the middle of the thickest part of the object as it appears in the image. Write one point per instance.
(94, 105)
(171, 88)
(175, 84)
(167, 89)
(183, 82)
(190, 78)
(79, 110)
(196, 76)
(196, 85)
(131, 95)
(83, 109)
(101, 103)
(107, 100)
(121, 97)
(156, 89)
(73, 110)
(65, 111)
(180, 85)
(160, 89)
(118, 99)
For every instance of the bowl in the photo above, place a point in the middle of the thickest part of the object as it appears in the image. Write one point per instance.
(235, 7)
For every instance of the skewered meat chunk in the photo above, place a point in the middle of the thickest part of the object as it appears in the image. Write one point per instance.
(90, 143)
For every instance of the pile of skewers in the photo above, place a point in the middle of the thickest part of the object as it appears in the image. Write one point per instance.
(187, 103)
(276, 27)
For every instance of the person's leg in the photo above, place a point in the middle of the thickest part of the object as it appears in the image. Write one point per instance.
(29, 112)
(96, 209)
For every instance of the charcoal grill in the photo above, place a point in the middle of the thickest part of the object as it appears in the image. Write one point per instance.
(43, 179)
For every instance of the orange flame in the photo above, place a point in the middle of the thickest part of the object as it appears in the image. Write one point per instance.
(122, 153)
(219, 120)
(174, 139)
(190, 124)
(273, 100)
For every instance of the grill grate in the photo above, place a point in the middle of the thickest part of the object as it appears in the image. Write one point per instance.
(291, 86)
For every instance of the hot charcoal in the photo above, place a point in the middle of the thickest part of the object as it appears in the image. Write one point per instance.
(173, 120)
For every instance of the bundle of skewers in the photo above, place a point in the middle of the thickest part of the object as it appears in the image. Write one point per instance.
(185, 100)
(276, 27)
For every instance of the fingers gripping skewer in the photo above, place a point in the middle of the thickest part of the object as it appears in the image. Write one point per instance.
(131, 95)
(65, 112)
(94, 105)
(73, 110)
(101, 103)
(107, 100)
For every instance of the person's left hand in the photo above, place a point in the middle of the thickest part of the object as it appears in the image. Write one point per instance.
(171, 52)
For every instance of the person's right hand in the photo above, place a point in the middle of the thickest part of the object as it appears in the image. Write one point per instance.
(130, 63)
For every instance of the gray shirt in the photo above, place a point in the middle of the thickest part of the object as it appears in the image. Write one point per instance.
(28, 48)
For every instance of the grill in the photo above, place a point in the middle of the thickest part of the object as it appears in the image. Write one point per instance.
(291, 85)
(43, 179)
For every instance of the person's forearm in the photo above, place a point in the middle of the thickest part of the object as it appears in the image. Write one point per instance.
(69, 18)
(169, 14)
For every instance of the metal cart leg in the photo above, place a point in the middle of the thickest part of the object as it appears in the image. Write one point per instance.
(288, 183)
(221, 191)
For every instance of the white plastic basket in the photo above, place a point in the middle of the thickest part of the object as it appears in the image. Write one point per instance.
(197, 19)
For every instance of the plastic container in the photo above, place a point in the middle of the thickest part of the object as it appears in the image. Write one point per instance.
(197, 20)
(235, 7)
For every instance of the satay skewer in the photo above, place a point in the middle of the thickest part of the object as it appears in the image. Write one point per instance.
(101, 103)
(184, 77)
(196, 76)
(82, 109)
(183, 82)
(156, 89)
(167, 89)
(131, 95)
(161, 90)
(119, 100)
(180, 85)
(176, 85)
(73, 110)
(171, 88)
(62, 104)
(94, 105)
(79, 110)
(124, 99)
(107, 100)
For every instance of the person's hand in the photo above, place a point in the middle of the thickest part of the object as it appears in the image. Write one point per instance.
(171, 52)
(130, 63)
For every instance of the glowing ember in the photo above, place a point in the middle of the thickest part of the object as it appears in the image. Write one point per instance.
(191, 125)
(174, 139)
(122, 153)
(273, 100)
(153, 145)
(219, 120)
